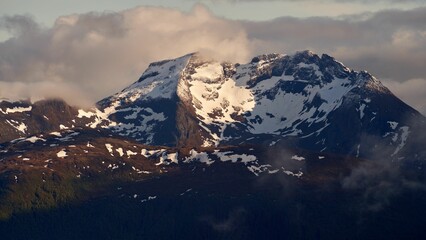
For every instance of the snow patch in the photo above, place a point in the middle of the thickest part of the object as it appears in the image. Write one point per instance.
(109, 148)
(299, 174)
(405, 131)
(256, 169)
(61, 154)
(17, 110)
(57, 134)
(131, 153)
(167, 158)
(120, 151)
(297, 158)
(229, 156)
(17, 125)
(393, 124)
(361, 110)
(199, 157)
(82, 113)
(149, 198)
(34, 139)
(357, 150)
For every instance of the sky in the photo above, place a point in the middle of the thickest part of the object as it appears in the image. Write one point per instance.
(83, 51)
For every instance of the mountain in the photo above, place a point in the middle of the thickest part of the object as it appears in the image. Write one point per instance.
(23, 118)
(275, 148)
(305, 100)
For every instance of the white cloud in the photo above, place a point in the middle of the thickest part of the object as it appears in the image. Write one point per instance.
(85, 57)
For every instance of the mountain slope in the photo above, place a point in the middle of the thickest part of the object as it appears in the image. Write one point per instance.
(22, 119)
(85, 184)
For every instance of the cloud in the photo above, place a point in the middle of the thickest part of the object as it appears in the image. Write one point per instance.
(389, 44)
(93, 55)
(19, 25)
(379, 180)
(85, 57)
(73, 93)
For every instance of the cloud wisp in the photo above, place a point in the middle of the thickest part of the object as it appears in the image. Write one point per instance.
(380, 180)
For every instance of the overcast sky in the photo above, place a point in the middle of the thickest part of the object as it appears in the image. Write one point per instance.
(85, 50)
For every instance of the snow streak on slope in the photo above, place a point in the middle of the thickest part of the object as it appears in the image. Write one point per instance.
(16, 110)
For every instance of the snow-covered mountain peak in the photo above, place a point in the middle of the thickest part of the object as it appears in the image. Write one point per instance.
(203, 102)
(158, 81)
(161, 79)
(368, 82)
